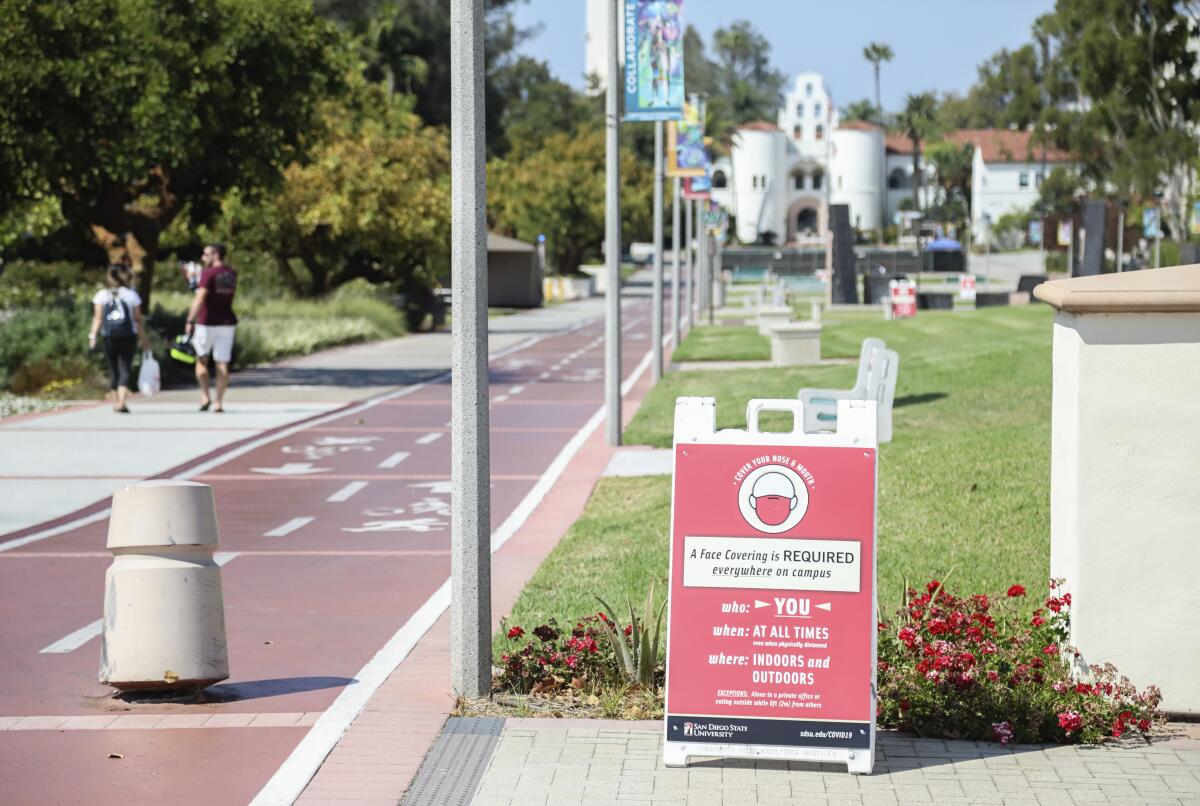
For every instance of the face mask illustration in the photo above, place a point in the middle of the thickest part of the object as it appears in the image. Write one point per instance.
(773, 498)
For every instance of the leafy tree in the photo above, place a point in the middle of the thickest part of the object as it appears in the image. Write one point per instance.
(951, 163)
(558, 191)
(743, 73)
(1059, 191)
(1133, 64)
(536, 105)
(862, 109)
(918, 122)
(373, 200)
(1007, 93)
(128, 112)
(406, 44)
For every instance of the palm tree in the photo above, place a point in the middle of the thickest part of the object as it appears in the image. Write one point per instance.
(918, 122)
(876, 53)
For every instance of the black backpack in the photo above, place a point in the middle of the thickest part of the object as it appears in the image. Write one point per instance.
(118, 319)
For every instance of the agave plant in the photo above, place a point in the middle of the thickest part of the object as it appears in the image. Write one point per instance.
(636, 663)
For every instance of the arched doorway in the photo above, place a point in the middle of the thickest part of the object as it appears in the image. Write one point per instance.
(807, 217)
(806, 221)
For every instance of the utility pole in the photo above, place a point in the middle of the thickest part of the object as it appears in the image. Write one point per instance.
(676, 274)
(656, 318)
(470, 471)
(612, 233)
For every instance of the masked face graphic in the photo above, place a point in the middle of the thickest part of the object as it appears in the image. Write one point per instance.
(773, 498)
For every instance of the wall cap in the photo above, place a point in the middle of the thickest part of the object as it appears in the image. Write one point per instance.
(1170, 290)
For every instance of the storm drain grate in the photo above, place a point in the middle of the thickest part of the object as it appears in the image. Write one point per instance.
(455, 765)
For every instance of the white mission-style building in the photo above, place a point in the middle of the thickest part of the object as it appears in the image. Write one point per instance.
(781, 177)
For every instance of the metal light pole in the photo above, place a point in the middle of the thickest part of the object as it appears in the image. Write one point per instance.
(676, 274)
(1120, 236)
(612, 234)
(687, 260)
(694, 267)
(656, 318)
(470, 506)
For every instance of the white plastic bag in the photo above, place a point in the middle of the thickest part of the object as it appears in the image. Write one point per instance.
(149, 377)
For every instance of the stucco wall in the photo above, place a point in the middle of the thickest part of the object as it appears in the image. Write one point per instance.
(1125, 493)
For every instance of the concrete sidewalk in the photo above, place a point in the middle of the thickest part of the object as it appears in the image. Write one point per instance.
(57, 463)
(544, 761)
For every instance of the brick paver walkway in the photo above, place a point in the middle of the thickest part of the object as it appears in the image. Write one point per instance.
(537, 763)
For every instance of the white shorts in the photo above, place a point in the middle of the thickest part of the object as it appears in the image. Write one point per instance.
(215, 339)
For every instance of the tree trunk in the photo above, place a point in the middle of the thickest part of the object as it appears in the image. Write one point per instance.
(136, 253)
(289, 275)
(318, 276)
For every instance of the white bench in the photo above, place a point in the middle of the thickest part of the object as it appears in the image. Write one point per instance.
(877, 371)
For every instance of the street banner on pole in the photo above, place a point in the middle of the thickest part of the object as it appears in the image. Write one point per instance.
(685, 141)
(772, 626)
(1064, 233)
(653, 59)
(1151, 223)
(1035, 233)
(1196, 218)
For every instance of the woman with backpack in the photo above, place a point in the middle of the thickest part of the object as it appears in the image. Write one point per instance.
(117, 318)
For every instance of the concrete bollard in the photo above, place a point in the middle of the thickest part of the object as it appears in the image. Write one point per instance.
(164, 616)
(815, 314)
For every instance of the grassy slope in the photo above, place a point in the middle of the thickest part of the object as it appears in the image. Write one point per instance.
(723, 343)
(964, 485)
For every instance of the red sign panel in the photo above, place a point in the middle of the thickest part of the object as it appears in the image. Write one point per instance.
(904, 299)
(772, 612)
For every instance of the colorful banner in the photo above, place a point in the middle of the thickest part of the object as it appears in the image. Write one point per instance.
(685, 141)
(1064, 233)
(653, 59)
(1196, 218)
(1035, 232)
(1151, 223)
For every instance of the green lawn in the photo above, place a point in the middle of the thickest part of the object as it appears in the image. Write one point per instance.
(963, 488)
(723, 343)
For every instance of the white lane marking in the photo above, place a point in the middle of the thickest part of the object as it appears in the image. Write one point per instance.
(287, 528)
(337, 414)
(543, 376)
(289, 781)
(346, 492)
(393, 460)
(430, 438)
(499, 398)
(72, 642)
(516, 390)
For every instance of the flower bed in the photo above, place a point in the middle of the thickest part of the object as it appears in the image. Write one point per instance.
(983, 668)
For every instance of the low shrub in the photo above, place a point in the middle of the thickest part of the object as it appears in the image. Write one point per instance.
(38, 345)
(550, 659)
(983, 668)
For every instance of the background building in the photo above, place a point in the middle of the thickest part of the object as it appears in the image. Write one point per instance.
(780, 178)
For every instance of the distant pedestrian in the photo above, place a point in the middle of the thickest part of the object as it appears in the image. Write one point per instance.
(117, 319)
(212, 318)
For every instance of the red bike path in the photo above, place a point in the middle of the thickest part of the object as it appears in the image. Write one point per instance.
(321, 568)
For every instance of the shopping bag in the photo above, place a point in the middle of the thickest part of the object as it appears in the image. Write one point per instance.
(149, 376)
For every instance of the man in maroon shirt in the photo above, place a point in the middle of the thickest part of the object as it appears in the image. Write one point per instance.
(212, 318)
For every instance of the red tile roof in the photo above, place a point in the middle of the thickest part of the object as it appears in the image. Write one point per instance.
(996, 145)
(759, 126)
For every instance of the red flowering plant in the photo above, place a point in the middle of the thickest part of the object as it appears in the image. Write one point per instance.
(550, 657)
(984, 667)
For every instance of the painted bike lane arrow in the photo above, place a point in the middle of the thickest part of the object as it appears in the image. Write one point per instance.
(291, 469)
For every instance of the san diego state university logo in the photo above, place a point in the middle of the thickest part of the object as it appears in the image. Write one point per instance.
(773, 498)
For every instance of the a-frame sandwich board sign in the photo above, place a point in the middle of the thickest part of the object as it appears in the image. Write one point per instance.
(772, 619)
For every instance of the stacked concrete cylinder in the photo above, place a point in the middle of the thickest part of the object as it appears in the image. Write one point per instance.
(164, 614)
